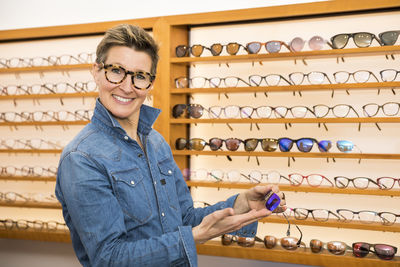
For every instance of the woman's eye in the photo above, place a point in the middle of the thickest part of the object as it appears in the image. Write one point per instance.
(116, 70)
(140, 76)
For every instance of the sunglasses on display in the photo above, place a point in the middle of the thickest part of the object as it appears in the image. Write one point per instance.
(228, 239)
(334, 247)
(306, 144)
(9, 224)
(315, 43)
(358, 182)
(273, 46)
(383, 251)
(389, 37)
(361, 39)
(215, 49)
(117, 74)
(192, 110)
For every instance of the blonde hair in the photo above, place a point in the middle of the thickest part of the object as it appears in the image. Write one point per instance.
(130, 36)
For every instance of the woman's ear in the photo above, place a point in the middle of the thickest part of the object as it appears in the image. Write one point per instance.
(95, 72)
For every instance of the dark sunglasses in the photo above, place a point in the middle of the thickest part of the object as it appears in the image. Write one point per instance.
(228, 239)
(271, 46)
(334, 247)
(215, 49)
(389, 37)
(361, 39)
(197, 144)
(303, 144)
(193, 110)
(267, 144)
(383, 251)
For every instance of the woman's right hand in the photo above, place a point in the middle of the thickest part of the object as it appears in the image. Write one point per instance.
(225, 221)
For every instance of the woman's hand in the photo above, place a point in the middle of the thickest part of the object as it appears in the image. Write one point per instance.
(254, 199)
(225, 221)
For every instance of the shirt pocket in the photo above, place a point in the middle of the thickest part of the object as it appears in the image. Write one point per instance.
(131, 194)
(167, 181)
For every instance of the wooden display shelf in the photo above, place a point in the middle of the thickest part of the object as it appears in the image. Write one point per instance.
(288, 88)
(292, 120)
(46, 68)
(47, 96)
(287, 154)
(333, 53)
(302, 188)
(39, 235)
(299, 256)
(31, 151)
(43, 123)
(334, 223)
(29, 178)
(31, 204)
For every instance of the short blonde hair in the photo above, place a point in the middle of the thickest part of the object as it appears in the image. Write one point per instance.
(129, 36)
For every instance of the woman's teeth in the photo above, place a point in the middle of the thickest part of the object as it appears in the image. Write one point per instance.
(122, 99)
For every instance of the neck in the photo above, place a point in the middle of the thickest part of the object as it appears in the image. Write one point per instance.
(130, 125)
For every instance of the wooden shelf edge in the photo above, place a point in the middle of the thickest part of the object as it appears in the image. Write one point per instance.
(287, 154)
(30, 204)
(43, 123)
(333, 223)
(44, 96)
(31, 151)
(28, 178)
(30, 234)
(299, 256)
(289, 88)
(46, 68)
(291, 120)
(309, 189)
(367, 51)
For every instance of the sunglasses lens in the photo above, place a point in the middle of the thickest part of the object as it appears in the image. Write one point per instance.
(305, 144)
(315, 245)
(178, 110)
(324, 145)
(389, 38)
(363, 39)
(269, 145)
(196, 111)
(197, 144)
(339, 41)
(336, 247)
(250, 144)
(269, 241)
(180, 143)
(273, 46)
(253, 48)
(215, 143)
(297, 44)
(289, 243)
(216, 49)
(360, 249)
(181, 50)
(285, 144)
(197, 50)
(232, 144)
(344, 146)
(316, 43)
(246, 241)
(232, 48)
(226, 239)
(385, 252)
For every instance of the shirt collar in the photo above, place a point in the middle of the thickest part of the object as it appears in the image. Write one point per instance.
(147, 117)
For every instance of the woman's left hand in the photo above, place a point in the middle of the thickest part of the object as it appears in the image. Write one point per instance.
(254, 199)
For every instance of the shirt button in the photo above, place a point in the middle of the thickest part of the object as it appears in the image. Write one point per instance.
(162, 214)
(126, 137)
(140, 155)
(155, 182)
(132, 182)
(169, 172)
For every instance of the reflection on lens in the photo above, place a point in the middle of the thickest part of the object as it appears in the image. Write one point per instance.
(216, 49)
(297, 44)
(339, 41)
(337, 247)
(273, 46)
(250, 144)
(253, 47)
(181, 82)
(270, 241)
(180, 143)
(289, 243)
(232, 144)
(385, 252)
(344, 146)
(269, 144)
(197, 50)
(389, 37)
(215, 143)
(316, 245)
(232, 48)
(305, 144)
(285, 144)
(362, 39)
(324, 145)
(316, 43)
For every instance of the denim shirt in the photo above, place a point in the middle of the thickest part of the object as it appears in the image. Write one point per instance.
(125, 206)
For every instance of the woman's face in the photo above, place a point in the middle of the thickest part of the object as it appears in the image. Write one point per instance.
(122, 100)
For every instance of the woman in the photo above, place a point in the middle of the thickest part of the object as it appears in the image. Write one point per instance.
(123, 197)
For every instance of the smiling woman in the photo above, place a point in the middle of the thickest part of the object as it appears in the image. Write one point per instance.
(117, 181)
